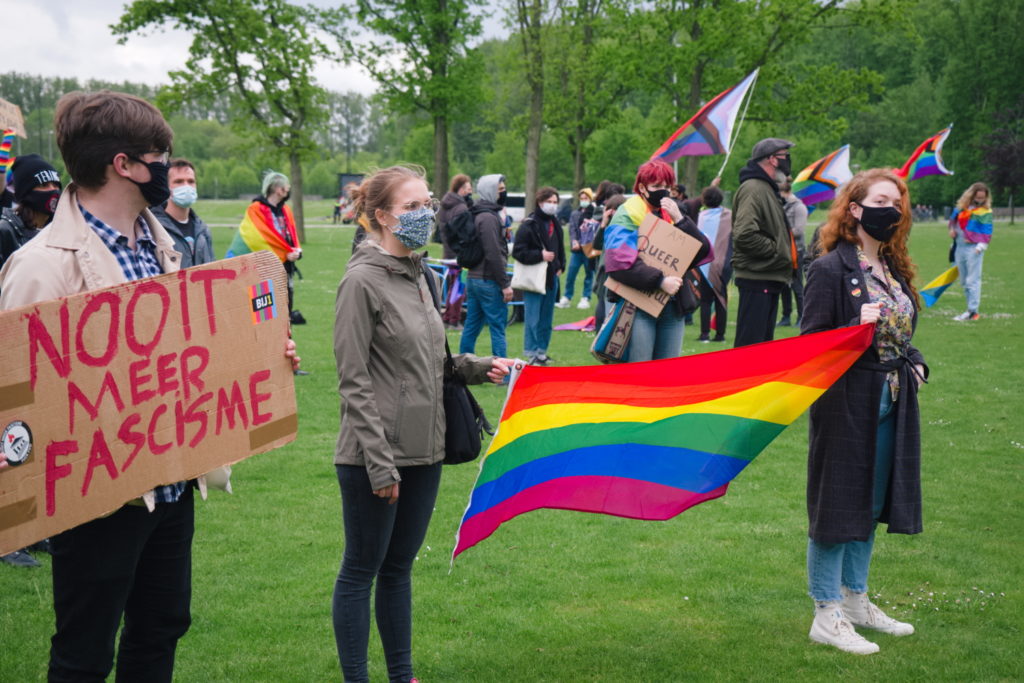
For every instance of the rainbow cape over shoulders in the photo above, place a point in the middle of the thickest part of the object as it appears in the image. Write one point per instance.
(257, 232)
(620, 237)
(934, 289)
(976, 223)
(647, 440)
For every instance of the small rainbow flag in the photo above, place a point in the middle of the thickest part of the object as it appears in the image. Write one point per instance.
(934, 289)
(927, 158)
(710, 129)
(819, 181)
(257, 232)
(647, 440)
(5, 151)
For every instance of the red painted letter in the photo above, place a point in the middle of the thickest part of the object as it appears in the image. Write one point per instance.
(207, 277)
(256, 399)
(135, 439)
(75, 395)
(54, 450)
(113, 323)
(154, 447)
(193, 376)
(130, 333)
(38, 336)
(99, 454)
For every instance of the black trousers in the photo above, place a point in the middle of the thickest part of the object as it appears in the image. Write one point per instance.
(708, 302)
(759, 305)
(794, 290)
(133, 563)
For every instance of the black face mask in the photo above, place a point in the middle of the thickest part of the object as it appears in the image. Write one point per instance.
(879, 221)
(654, 197)
(502, 196)
(155, 191)
(42, 201)
(286, 197)
(785, 165)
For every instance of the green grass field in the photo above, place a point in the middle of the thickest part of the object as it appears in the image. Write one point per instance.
(718, 593)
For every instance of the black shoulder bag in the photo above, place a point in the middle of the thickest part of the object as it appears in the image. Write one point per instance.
(464, 419)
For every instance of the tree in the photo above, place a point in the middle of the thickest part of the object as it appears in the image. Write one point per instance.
(262, 52)
(529, 18)
(1004, 152)
(420, 57)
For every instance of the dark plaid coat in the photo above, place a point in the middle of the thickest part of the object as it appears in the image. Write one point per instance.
(844, 421)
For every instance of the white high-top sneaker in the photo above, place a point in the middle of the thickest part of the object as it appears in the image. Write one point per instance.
(563, 303)
(831, 627)
(866, 614)
(583, 304)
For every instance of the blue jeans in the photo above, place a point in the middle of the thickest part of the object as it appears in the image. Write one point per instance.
(656, 338)
(969, 261)
(831, 565)
(381, 542)
(538, 318)
(576, 260)
(484, 302)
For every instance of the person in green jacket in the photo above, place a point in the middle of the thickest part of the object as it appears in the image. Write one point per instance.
(763, 250)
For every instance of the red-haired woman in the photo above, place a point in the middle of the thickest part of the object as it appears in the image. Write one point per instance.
(389, 345)
(662, 337)
(865, 438)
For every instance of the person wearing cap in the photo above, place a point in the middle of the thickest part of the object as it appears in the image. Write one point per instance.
(191, 235)
(580, 221)
(763, 250)
(36, 192)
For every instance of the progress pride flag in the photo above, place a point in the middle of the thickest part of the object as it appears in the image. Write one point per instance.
(107, 394)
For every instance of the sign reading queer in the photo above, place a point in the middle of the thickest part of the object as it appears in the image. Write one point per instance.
(107, 394)
(665, 247)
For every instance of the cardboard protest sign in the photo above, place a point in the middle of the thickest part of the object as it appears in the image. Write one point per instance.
(107, 394)
(665, 247)
(10, 117)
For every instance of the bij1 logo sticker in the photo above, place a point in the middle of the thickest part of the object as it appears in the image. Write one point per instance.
(264, 307)
(15, 444)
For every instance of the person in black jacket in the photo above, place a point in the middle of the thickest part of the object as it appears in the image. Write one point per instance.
(865, 436)
(191, 235)
(36, 191)
(662, 337)
(538, 239)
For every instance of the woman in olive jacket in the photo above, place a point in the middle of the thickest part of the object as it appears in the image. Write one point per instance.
(865, 451)
(389, 344)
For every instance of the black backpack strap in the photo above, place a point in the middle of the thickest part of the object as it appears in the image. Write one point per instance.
(449, 366)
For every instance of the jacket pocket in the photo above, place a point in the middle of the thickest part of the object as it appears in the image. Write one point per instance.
(396, 429)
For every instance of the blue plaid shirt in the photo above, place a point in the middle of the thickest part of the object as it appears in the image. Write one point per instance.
(137, 264)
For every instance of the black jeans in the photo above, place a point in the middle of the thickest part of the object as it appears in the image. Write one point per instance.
(796, 289)
(133, 563)
(759, 304)
(708, 301)
(381, 541)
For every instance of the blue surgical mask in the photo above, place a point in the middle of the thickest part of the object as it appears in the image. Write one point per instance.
(414, 227)
(184, 196)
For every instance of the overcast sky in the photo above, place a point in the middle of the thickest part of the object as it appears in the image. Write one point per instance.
(72, 38)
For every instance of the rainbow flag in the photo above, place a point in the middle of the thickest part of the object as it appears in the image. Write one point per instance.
(5, 152)
(710, 129)
(257, 232)
(927, 158)
(647, 440)
(976, 223)
(934, 289)
(819, 181)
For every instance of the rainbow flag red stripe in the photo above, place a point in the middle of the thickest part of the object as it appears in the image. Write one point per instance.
(927, 158)
(647, 440)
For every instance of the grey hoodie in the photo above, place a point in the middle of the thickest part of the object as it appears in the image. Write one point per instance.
(487, 187)
(492, 233)
(389, 348)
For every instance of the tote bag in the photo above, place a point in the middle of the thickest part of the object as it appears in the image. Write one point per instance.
(530, 278)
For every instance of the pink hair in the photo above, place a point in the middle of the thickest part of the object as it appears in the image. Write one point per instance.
(653, 171)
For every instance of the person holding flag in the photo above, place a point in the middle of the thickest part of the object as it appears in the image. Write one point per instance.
(865, 437)
(970, 226)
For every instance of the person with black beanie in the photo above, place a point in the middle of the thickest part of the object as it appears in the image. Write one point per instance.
(36, 191)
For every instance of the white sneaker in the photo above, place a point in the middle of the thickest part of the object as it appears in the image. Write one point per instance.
(831, 627)
(866, 614)
(562, 303)
(583, 304)
(966, 315)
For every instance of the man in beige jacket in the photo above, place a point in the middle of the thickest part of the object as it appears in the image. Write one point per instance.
(136, 562)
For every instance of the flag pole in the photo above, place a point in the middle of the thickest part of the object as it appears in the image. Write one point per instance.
(743, 115)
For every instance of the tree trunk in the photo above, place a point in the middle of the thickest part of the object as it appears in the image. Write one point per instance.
(440, 155)
(296, 197)
(579, 159)
(533, 143)
(530, 13)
